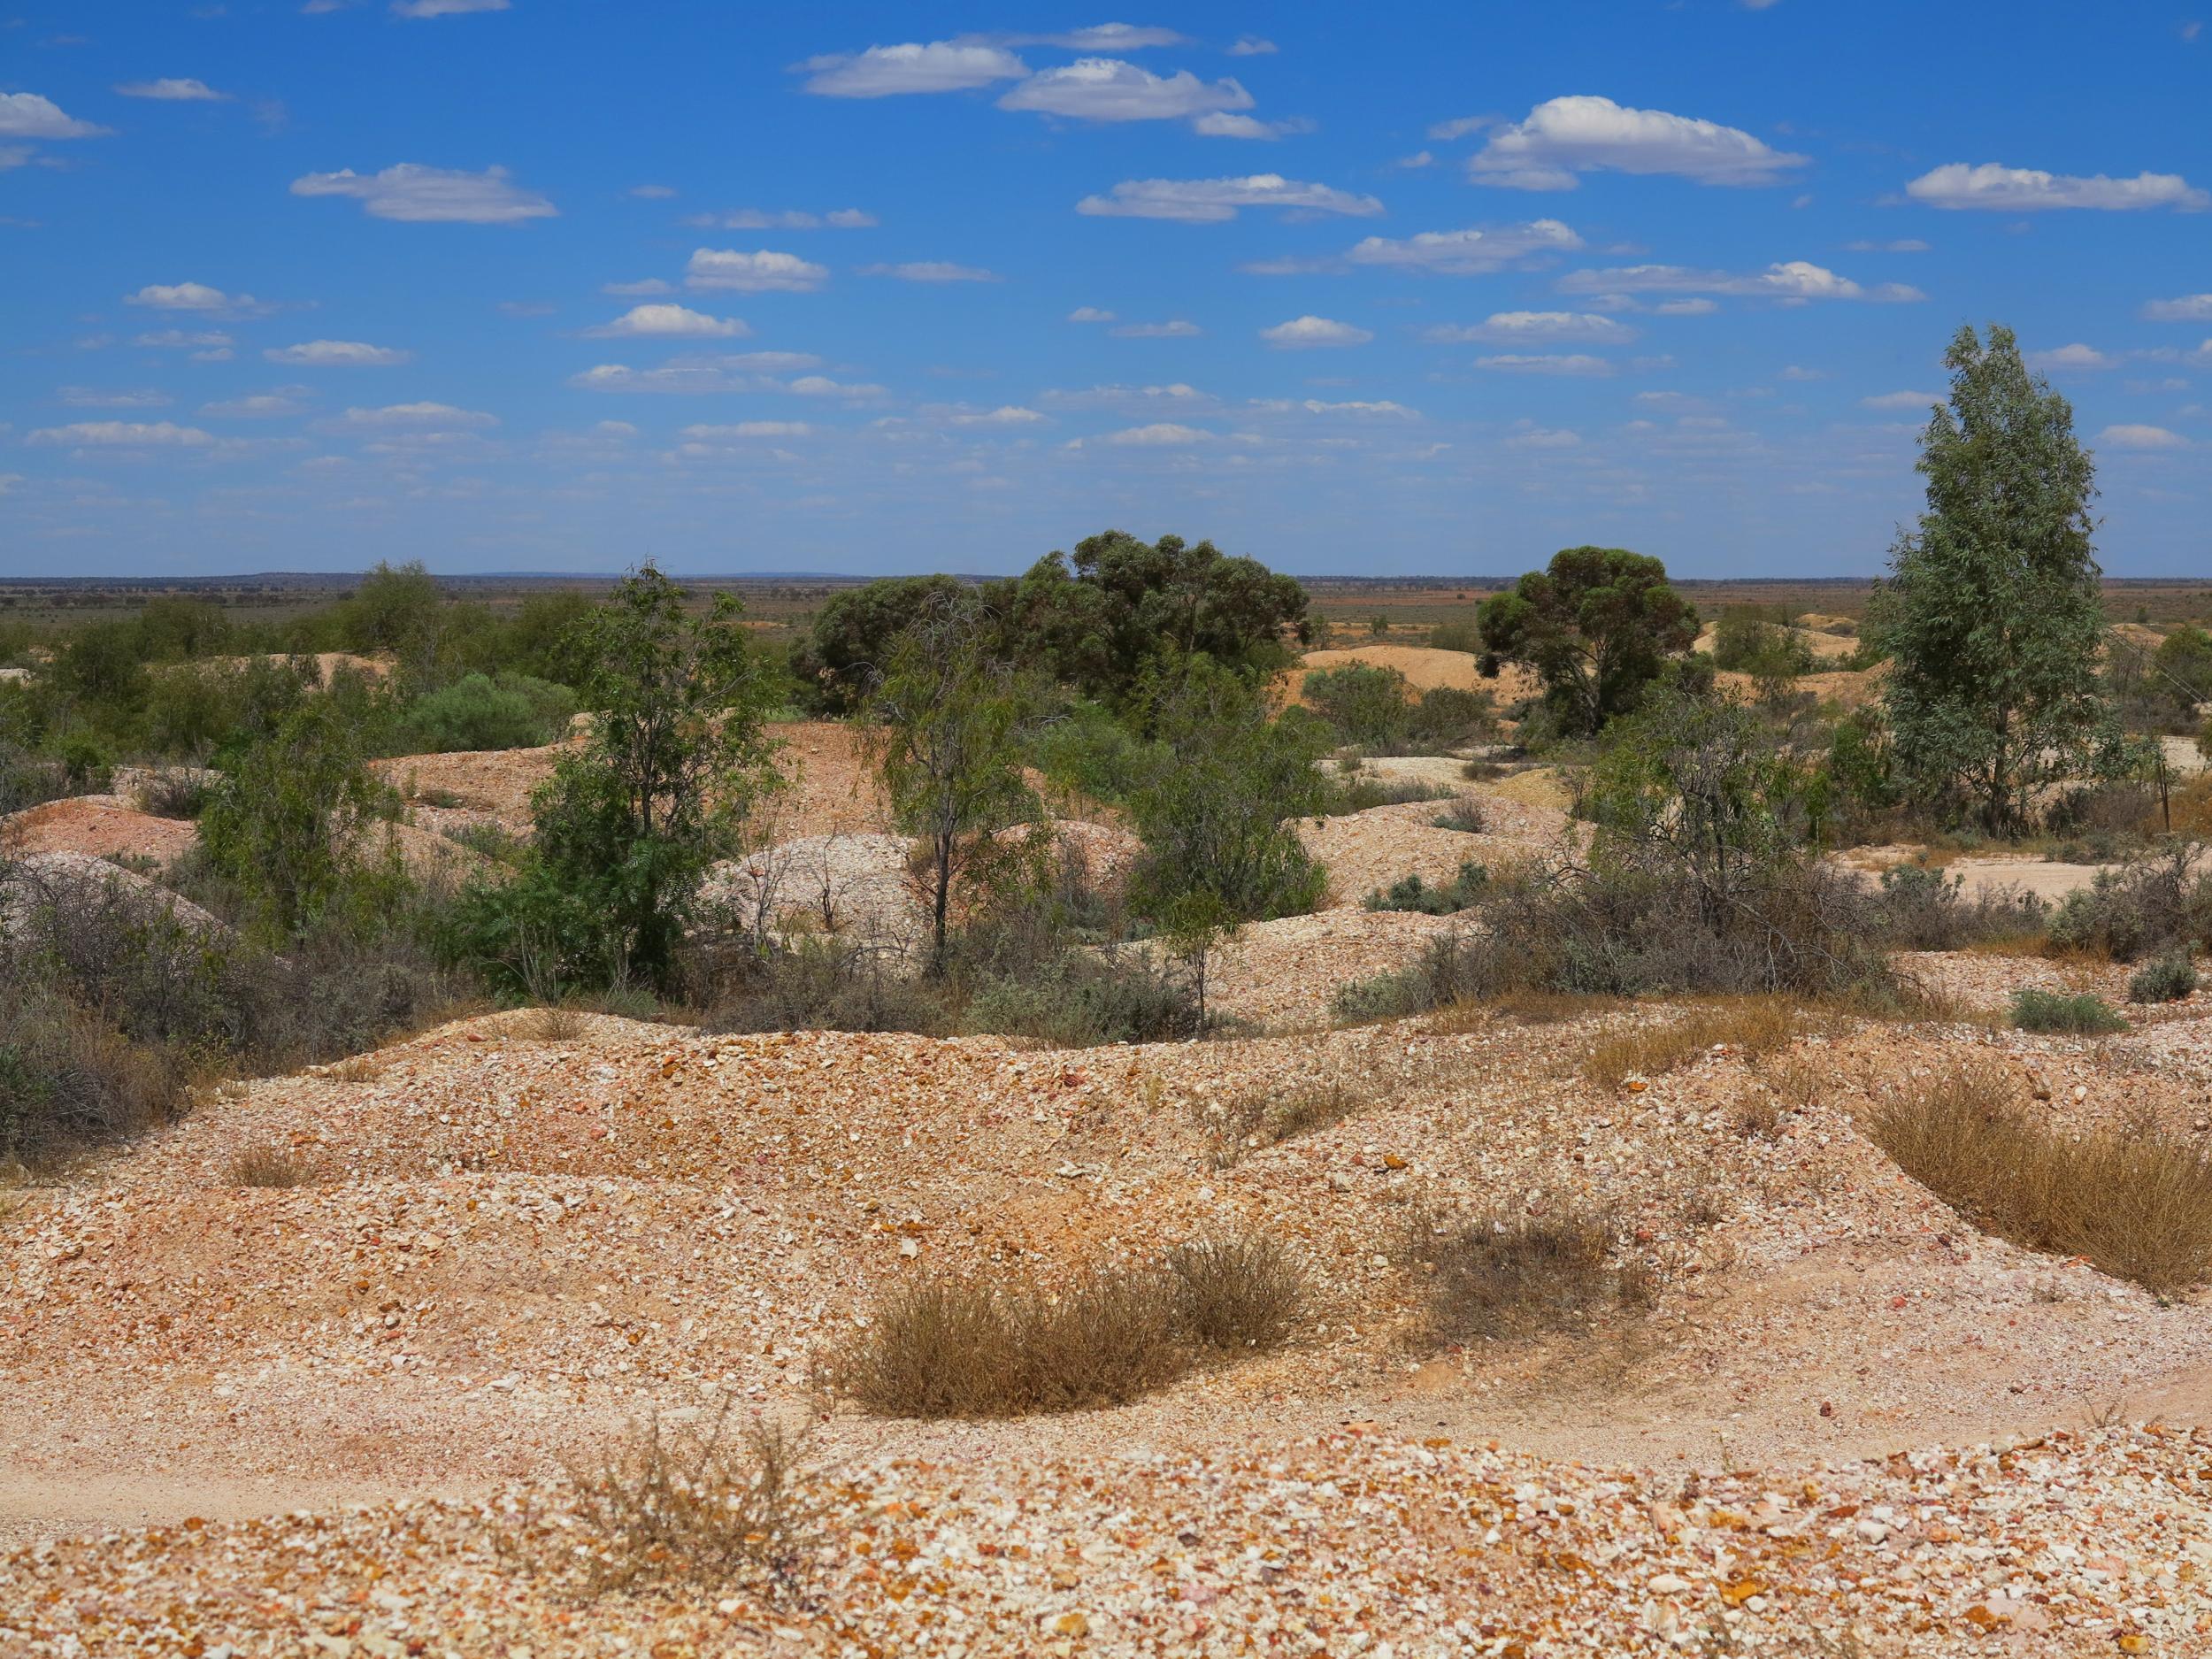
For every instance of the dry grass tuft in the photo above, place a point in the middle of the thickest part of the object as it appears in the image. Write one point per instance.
(1254, 1121)
(2136, 1201)
(708, 1508)
(944, 1345)
(555, 1021)
(267, 1165)
(1749, 1027)
(1527, 1276)
(1237, 1294)
(362, 1068)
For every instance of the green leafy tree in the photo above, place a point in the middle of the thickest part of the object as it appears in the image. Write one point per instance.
(293, 823)
(1110, 616)
(849, 643)
(1596, 626)
(395, 609)
(1368, 705)
(948, 740)
(628, 826)
(1992, 614)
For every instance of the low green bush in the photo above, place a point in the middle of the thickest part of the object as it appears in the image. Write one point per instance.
(2168, 979)
(2079, 1014)
(1413, 894)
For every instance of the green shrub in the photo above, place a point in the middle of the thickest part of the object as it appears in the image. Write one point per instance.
(1922, 909)
(2075, 1015)
(2160, 905)
(1363, 704)
(479, 712)
(2168, 979)
(1082, 1000)
(1412, 893)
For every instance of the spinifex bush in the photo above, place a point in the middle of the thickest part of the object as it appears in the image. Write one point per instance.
(2135, 1200)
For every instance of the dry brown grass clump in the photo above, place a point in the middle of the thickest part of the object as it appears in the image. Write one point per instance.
(1261, 1119)
(710, 1507)
(1750, 1027)
(1234, 1293)
(947, 1345)
(555, 1023)
(362, 1068)
(2135, 1201)
(1527, 1276)
(267, 1165)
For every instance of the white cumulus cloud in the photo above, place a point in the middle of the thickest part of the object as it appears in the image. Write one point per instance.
(416, 194)
(1467, 252)
(2001, 189)
(173, 91)
(668, 322)
(1306, 330)
(1108, 89)
(2137, 437)
(762, 272)
(1210, 201)
(1573, 363)
(1792, 281)
(886, 71)
(26, 115)
(2074, 356)
(1515, 326)
(420, 418)
(1159, 434)
(933, 270)
(1570, 136)
(124, 435)
(337, 354)
(2190, 307)
(193, 296)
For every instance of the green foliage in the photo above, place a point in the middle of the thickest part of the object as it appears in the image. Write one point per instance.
(479, 712)
(542, 639)
(395, 609)
(1366, 704)
(289, 826)
(1746, 642)
(1085, 748)
(1103, 621)
(2160, 905)
(850, 641)
(1595, 626)
(1083, 1000)
(1457, 636)
(1462, 892)
(2168, 979)
(1992, 614)
(2080, 1016)
(949, 741)
(1214, 800)
(627, 826)
(1858, 765)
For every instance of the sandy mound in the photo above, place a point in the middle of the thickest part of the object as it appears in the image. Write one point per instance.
(1824, 647)
(1425, 667)
(101, 827)
(326, 664)
(493, 783)
(75, 877)
(1368, 850)
(857, 885)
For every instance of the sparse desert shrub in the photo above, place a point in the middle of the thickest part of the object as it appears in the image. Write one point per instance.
(1359, 793)
(2078, 1014)
(264, 1163)
(1412, 893)
(558, 1022)
(1750, 1027)
(710, 1507)
(1465, 814)
(2168, 979)
(2159, 905)
(70, 1081)
(1080, 1000)
(1923, 908)
(944, 1345)
(1524, 1276)
(1263, 1119)
(177, 795)
(2136, 1201)
(1236, 1293)
(817, 984)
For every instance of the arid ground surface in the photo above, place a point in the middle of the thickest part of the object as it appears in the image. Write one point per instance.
(334, 1417)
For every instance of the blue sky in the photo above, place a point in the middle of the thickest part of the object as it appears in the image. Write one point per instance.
(550, 285)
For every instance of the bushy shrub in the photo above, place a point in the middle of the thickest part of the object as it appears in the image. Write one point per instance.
(1748, 640)
(1236, 1293)
(2154, 907)
(479, 712)
(816, 984)
(2168, 979)
(1923, 908)
(1413, 894)
(70, 1081)
(1080, 1000)
(1359, 793)
(2078, 1014)
(1465, 814)
(1519, 1276)
(1362, 704)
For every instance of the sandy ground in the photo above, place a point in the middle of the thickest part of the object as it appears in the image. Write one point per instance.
(1425, 667)
(513, 1246)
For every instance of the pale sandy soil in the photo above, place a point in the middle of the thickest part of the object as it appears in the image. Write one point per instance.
(512, 1248)
(1824, 647)
(1425, 667)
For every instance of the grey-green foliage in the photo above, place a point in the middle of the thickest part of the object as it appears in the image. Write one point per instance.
(2079, 1014)
(2168, 979)
(1992, 612)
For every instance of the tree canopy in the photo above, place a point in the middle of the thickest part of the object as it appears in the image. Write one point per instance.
(1596, 626)
(1992, 612)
